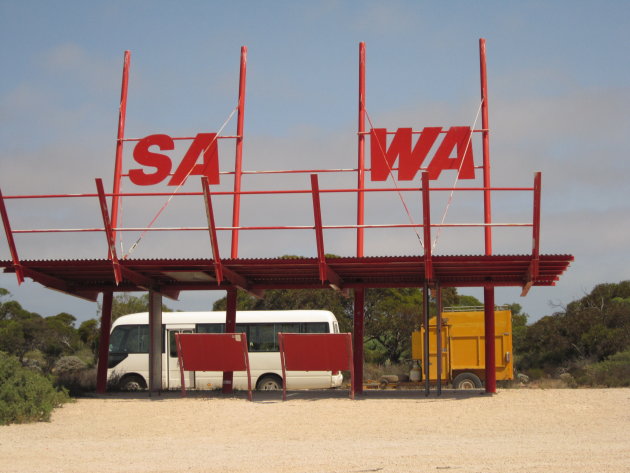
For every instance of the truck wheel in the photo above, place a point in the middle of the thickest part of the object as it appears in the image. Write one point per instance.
(467, 381)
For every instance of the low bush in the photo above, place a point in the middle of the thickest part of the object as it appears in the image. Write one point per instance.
(26, 395)
(612, 373)
(73, 374)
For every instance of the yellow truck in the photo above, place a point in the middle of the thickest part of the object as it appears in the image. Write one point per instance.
(463, 347)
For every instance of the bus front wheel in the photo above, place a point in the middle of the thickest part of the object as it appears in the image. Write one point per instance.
(269, 383)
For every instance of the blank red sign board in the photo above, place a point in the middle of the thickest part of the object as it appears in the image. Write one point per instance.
(213, 351)
(317, 352)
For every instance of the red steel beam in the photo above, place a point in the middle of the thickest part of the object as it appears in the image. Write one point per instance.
(108, 231)
(534, 266)
(236, 209)
(12, 248)
(325, 272)
(122, 114)
(218, 267)
(485, 137)
(361, 153)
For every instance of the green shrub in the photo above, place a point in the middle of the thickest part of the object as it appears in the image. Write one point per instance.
(25, 395)
(613, 372)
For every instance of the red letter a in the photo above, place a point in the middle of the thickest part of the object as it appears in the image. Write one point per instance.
(205, 143)
(456, 136)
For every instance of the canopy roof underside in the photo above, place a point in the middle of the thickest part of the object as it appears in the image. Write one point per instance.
(86, 278)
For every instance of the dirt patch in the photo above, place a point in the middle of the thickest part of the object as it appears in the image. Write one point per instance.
(531, 430)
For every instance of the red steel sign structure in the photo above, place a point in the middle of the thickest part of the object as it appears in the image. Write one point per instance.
(413, 157)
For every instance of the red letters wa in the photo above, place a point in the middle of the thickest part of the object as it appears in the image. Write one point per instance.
(410, 159)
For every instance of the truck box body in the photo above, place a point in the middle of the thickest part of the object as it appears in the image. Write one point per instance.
(463, 345)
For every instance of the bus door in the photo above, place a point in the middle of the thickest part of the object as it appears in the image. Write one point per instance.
(174, 379)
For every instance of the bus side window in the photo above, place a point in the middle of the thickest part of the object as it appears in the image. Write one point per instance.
(130, 339)
(262, 337)
(315, 327)
(211, 328)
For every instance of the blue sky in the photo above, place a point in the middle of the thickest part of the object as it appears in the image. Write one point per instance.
(559, 83)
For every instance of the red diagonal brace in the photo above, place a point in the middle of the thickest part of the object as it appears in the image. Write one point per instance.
(325, 272)
(533, 269)
(7, 230)
(108, 231)
(426, 223)
(212, 229)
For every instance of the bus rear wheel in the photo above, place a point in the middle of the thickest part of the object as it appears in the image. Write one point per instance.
(132, 382)
(269, 383)
(467, 381)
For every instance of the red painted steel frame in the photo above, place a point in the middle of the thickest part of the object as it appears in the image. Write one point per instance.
(12, 248)
(315, 352)
(236, 209)
(119, 142)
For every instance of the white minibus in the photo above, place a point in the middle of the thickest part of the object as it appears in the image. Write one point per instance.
(129, 349)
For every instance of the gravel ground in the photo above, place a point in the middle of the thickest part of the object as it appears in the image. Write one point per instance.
(517, 430)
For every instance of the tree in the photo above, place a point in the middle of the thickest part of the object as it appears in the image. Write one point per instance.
(125, 303)
(89, 334)
(302, 299)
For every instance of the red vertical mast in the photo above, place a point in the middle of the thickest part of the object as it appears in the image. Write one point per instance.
(236, 209)
(119, 142)
(361, 167)
(487, 207)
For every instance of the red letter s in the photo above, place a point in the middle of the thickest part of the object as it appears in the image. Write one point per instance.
(143, 156)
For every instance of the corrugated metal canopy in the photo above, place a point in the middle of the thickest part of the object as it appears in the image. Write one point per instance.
(86, 278)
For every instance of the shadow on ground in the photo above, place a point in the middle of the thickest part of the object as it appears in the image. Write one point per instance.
(302, 395)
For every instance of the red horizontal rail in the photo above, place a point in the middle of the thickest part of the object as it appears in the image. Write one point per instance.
(271, 192)
(279, 227)
(416, 132)
(182, 138)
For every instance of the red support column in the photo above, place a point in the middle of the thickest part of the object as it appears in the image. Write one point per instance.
(425, 342)
(230, 327)
(155, 342)
(361, 166)
(426, 227)
(236, 209)
(103, 342)
(438, 334)
(359, 313)
(12, 248)
(491, 367)
(122, 114)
